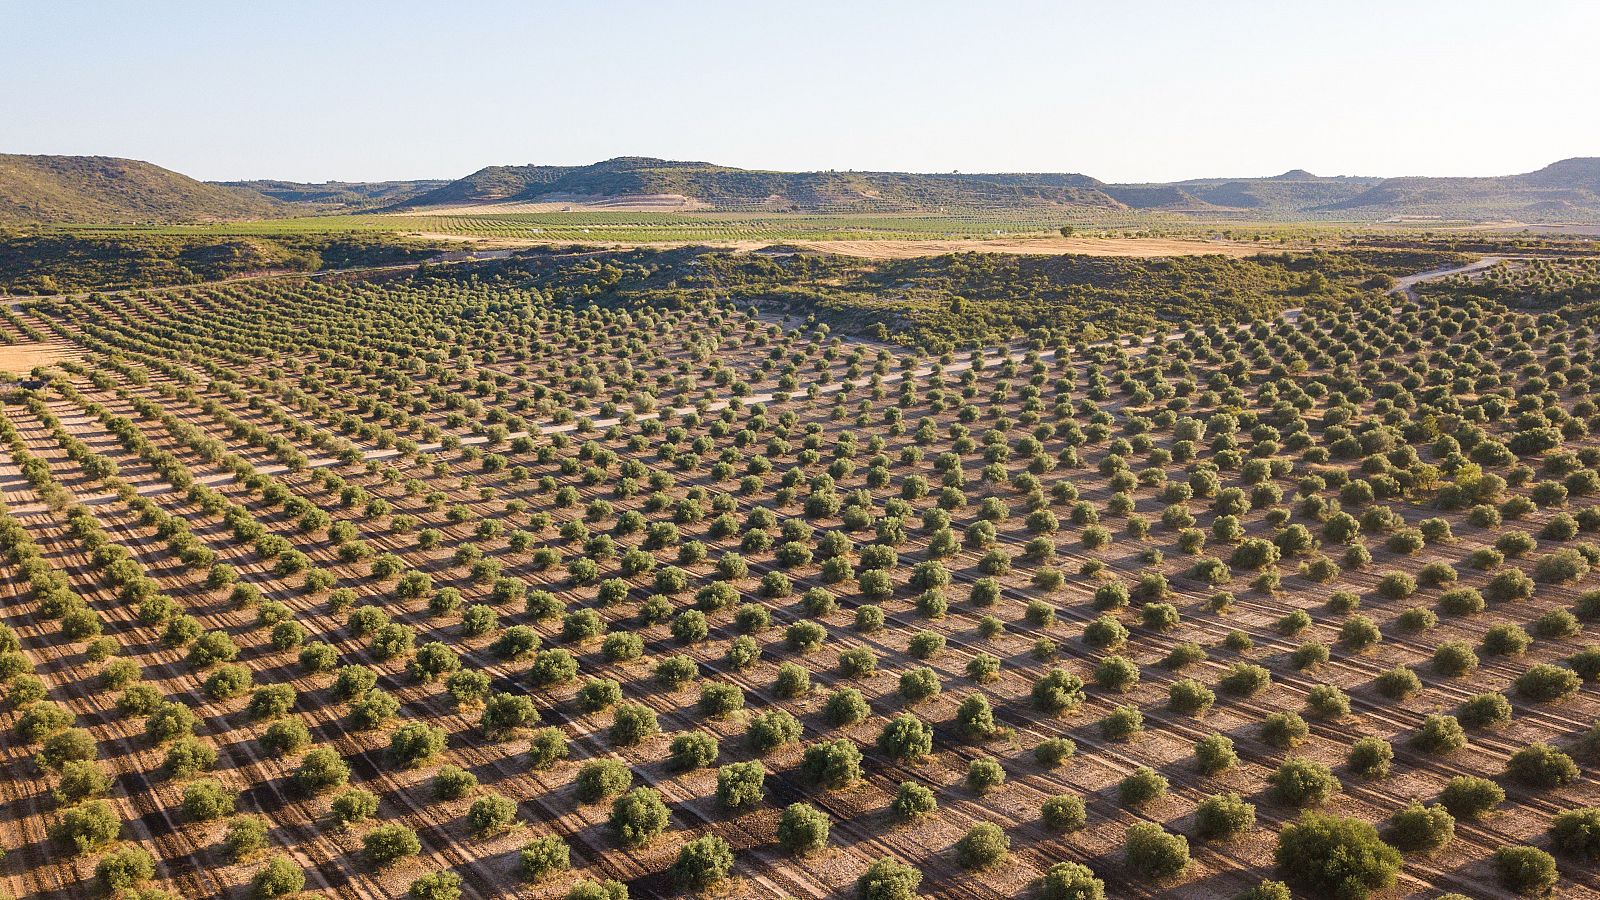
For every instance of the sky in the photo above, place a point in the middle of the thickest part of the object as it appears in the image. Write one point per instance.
(1150, 90)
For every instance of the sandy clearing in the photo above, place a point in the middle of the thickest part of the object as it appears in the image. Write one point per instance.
(19, 358)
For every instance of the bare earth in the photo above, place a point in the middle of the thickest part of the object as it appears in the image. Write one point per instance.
(18, 358)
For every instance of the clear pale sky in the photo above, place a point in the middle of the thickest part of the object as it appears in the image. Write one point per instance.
(1124, 91)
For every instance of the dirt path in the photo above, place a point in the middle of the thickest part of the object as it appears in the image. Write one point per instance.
(1407, 285)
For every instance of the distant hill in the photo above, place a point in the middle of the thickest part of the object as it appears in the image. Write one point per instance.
(722, 186)
(337, 196)
(1567, 190)
(56, 189)
(93, 189)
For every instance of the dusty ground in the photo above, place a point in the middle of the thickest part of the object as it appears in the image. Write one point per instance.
(20, 358)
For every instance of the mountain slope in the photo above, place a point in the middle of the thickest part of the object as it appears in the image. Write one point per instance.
(1566, 190)
(727, 187)
(55, 189)
(336, 196)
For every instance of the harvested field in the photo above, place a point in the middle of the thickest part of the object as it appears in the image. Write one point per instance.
(467, 537)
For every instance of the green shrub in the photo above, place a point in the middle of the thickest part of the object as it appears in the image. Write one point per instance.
(1545, 683)
(772, 729)
(1439, 734)
(1214, 753)
(1071, 881)
(246, 836)
(1302, 782)
(803, 829)
(1284, 730)
(491, 814)
(602, 779)
(388, 844)
(1454, 658)
(1541, 765)
(693, 750)
(1576, 833)
(638, 817)
(833, 764)
(1154, 853)
(124, 869)
(1335, 857)
(741, 784)
(1222, 817)
(1505, 639)
(321, 769)
(906, 738)
(1399, 683)
(633, 724)
(702, 862)
(206, 801)
(1528, 871)
(353, 806)
(1470, 797)
(1269, 890)
(983, 846)
(1421, 829)
(1122, 723)
(1053, 752)
(1370, 757)
(912, 801)
(1486, 710)
(1141, 787)
(416, 743)
(984, 775)
(1063, 812)
(1246, 680)
(1116, 673)
(887, 879)
(435, 886)
(280, 877)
